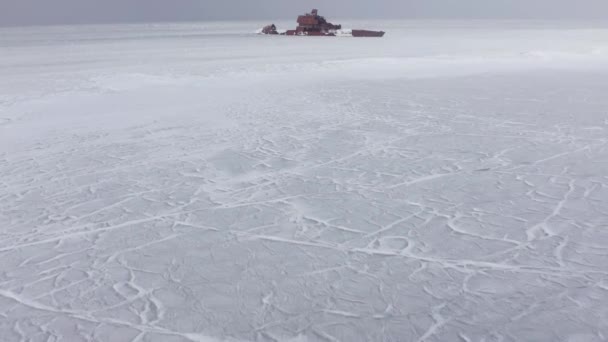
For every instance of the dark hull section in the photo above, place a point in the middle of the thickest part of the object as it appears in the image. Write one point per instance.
(366, 33)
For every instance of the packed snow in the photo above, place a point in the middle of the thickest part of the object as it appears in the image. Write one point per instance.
(199, 182)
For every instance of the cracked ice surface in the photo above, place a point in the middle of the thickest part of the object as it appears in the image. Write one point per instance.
(159, 184)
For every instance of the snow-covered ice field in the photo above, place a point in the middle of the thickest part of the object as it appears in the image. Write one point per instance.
(197, 182)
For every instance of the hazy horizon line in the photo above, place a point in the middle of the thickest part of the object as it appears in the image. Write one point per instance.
(335, 19)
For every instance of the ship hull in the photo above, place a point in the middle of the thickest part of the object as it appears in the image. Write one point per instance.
(355, 33)
(314, 25)
(366, 33)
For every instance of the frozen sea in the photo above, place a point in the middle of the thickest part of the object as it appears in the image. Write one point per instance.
(199, 182)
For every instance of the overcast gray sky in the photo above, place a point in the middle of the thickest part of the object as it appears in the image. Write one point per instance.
(28, 12)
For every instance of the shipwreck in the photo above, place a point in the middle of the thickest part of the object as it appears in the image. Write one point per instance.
(312, 24)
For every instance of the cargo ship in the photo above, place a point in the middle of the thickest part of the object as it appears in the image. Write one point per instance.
(312, 24)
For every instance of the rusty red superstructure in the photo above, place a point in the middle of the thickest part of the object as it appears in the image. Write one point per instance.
(312, 24)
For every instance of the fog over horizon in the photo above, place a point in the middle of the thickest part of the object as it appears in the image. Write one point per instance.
(40, 12)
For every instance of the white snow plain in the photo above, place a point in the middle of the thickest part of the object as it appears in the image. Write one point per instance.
(199, 182)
